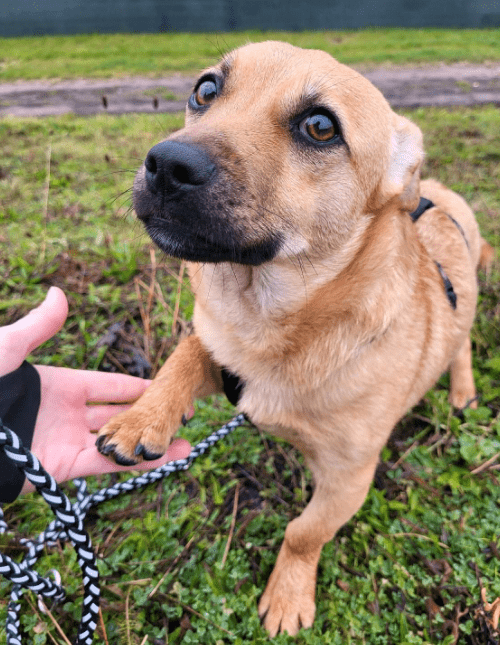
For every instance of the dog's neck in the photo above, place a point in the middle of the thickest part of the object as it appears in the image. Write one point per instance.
(276, 311)
(282, 287)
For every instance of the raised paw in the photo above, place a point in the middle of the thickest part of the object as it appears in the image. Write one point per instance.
(132, 436)
(287, 604)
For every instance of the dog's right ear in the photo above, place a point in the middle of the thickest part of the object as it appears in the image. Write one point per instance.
(402, 178)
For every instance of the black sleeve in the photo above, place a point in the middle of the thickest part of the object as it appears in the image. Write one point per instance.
(19, 403)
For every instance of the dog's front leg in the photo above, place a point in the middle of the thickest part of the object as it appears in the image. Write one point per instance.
(145, 430)
(288, 601)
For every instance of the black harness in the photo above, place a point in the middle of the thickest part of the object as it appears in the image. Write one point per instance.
(233, 385)
(423, 206)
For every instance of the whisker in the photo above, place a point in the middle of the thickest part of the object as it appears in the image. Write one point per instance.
(200, 267)
(235, 276)
(210, 286)
(302, 273)
(124, 192)
(119, 171)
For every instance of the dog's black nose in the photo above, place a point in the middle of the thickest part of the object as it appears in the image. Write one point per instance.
(173, 167)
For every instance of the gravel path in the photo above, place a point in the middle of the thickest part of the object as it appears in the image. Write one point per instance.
(457, 84)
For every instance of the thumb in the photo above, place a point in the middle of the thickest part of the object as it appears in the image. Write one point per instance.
(40, 324)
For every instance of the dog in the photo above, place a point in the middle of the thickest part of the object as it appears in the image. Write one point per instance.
(323, 308)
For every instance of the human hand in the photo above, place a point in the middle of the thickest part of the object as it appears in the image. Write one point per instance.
(74, 403)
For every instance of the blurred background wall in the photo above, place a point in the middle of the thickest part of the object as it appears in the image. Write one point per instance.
(39, 17)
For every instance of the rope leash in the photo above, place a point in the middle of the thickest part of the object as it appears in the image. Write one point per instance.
(68, 526)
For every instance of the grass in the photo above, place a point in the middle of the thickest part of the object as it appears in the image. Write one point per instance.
(115, 55)
(407, 569)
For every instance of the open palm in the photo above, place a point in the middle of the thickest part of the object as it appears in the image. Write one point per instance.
(74, 403)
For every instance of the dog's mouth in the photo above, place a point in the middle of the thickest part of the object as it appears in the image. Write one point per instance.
(181, 242)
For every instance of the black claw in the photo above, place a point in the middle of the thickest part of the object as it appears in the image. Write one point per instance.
(110, 448)
(107, 449)
(146, 454)
(151, 456)
(123, 461)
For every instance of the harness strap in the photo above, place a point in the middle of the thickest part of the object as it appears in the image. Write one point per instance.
(423, 206)
(448, 287)
(459, 228)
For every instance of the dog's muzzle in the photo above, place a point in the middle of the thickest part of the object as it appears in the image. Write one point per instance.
(189, 206)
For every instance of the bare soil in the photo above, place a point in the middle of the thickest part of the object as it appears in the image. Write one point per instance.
(458, 84)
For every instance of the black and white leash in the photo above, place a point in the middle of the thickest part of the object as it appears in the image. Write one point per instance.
(68, 526)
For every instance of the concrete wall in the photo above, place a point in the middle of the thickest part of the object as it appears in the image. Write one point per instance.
(38, 17)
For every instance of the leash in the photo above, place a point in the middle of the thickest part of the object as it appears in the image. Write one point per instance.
(68, 527)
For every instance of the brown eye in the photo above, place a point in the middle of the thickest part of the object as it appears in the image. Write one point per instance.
(320, 127)
(205, 93)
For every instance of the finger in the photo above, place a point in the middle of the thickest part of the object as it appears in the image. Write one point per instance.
(40, 324)
(91, 462)
(92, 386)
(98, 415)
(106, 387)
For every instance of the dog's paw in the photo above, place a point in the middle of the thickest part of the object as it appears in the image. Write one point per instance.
(132, 436)
(461, 399)
(287, 604)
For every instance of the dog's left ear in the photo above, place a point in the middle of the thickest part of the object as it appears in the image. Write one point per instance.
(402, 178)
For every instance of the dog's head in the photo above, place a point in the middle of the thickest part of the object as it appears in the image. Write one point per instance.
(284, 151)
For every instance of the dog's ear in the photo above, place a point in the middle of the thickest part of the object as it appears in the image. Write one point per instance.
(402, 177)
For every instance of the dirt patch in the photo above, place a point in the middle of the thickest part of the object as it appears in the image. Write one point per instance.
(85, 97)
(442, 85)
(457, 84)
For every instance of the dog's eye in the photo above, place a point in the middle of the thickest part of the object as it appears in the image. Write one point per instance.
(205, 93)
(319, 126)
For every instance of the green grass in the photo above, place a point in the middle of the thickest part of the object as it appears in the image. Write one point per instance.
(403, 571)
(115, 55)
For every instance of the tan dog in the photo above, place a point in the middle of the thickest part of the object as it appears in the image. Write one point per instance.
(289, 192)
